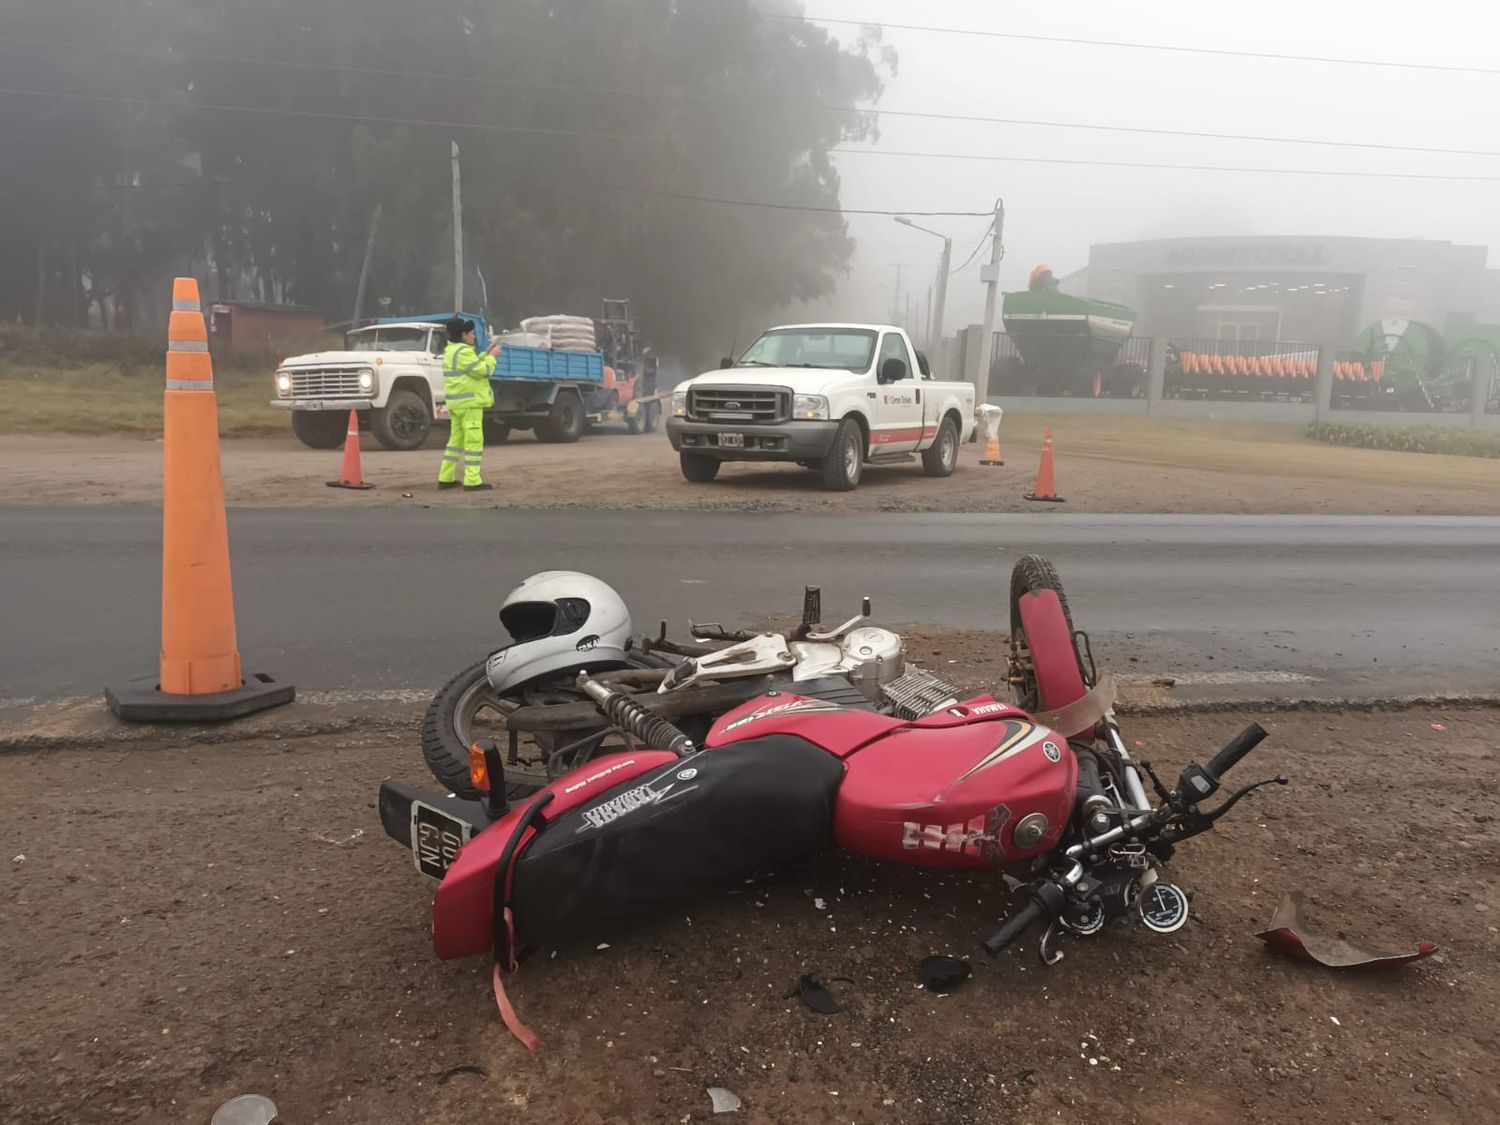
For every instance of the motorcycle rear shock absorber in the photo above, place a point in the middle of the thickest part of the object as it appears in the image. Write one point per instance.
(635, 720)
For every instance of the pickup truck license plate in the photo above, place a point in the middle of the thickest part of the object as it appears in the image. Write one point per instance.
(435, 839)
(731, 441)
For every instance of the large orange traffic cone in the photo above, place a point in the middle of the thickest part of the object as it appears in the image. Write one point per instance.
(1045, 488)
(200, 676)
(351, 475)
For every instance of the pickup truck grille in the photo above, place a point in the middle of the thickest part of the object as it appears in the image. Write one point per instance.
(739, 404)
(326, 382)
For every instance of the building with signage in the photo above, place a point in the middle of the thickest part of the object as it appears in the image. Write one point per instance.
(1291, 289)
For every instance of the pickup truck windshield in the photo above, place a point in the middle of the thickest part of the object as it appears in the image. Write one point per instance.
(388, 340)
(839, 348)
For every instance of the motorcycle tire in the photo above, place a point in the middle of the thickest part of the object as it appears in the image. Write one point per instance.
(1049, 662)
(447, 728)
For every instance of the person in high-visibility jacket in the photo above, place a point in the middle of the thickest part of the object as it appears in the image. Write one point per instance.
(466, 385)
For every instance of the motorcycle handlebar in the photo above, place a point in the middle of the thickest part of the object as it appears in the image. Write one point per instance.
(1227, 758)
(1045, 903)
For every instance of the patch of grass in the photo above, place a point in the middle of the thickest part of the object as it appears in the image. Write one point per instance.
(101, 398)
(1409, 439)
(1256, 449)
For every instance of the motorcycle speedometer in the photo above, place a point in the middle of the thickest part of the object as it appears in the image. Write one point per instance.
(1163, 907)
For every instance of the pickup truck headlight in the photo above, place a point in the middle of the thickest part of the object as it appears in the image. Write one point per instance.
(810, 407)
(367, 381)
(679, 404)
(283, 383)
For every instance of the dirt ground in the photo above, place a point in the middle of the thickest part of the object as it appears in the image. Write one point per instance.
(1115, 465)
(194, 922)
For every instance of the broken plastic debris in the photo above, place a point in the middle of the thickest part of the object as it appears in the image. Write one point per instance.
(819, 904)
(1290, 936)
(816, 996)
(247, 1109)
(1439, 727)
(602, 945)
(19, 859)
(725, 1101)
(941, 973)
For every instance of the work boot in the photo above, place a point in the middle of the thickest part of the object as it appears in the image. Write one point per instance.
(486, 487)
(444, 485)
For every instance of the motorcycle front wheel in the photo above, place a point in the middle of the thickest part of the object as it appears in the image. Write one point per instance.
(1045, 668)
(467, 708)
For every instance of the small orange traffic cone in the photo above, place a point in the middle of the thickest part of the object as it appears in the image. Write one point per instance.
(1045, 488)
(199, 676)
(351, 475)
(992, 450)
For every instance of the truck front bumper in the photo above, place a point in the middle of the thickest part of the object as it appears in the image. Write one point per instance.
(786, 441)
(321, 403)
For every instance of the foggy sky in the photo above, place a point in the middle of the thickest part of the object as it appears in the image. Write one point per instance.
(1054, 213)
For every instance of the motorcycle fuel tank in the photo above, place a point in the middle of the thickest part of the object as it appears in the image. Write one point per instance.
(984, 794)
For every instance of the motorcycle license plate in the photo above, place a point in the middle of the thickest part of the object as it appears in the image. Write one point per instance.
(435, 839)
(732, 441)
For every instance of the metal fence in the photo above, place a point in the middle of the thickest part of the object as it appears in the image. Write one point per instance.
(1069, 366)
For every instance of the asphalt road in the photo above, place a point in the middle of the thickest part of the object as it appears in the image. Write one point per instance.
(364, 600)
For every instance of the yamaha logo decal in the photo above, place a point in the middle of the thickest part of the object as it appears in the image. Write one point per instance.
(1053, 753)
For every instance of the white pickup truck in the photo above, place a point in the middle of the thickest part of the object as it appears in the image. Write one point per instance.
(831, 397)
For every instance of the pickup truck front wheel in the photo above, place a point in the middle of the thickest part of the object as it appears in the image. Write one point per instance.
(941, 457)
(403, 423)
(699, 468)
(319, 429)
(845, 462)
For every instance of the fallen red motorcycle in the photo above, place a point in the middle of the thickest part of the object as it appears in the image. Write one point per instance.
(1048, 794)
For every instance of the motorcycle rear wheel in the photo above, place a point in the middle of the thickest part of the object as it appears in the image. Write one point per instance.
(467, 708)
(1042, 667)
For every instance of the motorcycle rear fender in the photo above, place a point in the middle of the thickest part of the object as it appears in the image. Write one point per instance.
(463, 912)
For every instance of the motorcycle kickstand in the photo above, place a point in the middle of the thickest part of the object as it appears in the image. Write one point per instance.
(1050, 957)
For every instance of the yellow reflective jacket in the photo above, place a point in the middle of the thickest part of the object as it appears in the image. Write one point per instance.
(466, 378)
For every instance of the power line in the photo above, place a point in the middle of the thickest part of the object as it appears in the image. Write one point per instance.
(969, 261)
(799, 207)
(1071, 41)
(656, 95)
(1336, 172)
(356, 117)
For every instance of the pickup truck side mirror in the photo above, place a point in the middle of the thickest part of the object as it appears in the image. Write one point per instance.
(892, 370)
(725, 363)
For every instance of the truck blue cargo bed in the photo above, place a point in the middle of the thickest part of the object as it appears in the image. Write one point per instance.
(546, 365)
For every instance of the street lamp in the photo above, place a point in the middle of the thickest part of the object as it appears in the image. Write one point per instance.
(942, 279)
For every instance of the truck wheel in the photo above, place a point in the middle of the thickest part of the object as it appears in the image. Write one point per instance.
(845, 462)
(565, 423)
(404, 422)
(318, 429)
(699, 467)
(495, 433)
(941, 457)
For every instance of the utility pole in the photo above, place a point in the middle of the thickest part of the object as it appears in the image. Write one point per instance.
(896, 297)
(458, 238)
(927, 323)
(990, 275)
(364, 269)
(906, 323)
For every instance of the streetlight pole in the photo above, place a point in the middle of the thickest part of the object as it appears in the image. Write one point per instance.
(990, 275)
(941, 297)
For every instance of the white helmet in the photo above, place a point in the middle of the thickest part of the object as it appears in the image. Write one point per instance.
(559, 619)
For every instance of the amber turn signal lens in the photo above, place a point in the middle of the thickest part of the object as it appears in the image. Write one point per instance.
(479, 773)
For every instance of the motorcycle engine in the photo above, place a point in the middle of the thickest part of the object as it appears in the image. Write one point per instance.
(869, 656)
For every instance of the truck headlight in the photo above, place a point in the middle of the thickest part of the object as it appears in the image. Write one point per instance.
(367, 381)
(283, 383)
(810, 407)
(679, 404)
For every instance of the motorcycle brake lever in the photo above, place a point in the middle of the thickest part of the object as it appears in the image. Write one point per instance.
(1196, 823)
